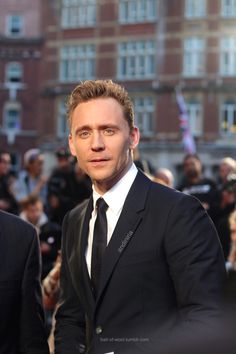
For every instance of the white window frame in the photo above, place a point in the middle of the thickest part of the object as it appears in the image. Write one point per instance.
(10, 106)
(228, 126)
(195, 117)
(62, 124)
(77, 62)
(136, 60)
(136, 11)
(194, 57)
(13, 72)
(228, 8)
(144, 111)
(195, 9)
(228, 56)
(78, 13)
(10, 27)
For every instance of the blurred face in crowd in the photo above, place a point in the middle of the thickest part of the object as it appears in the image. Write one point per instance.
(5, 164)
(33, 212)
(224, 170)
(35, 167)
(102, 141)
(192, 167)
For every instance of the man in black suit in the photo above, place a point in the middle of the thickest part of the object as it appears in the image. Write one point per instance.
(21, 312)
(161, 270)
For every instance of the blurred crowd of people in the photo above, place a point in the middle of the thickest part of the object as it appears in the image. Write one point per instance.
(44, 201)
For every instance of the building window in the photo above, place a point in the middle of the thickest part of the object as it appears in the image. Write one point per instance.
(14, 72)
(14, 25)
(195, 8)
(228, 8)
(228, 118)
(78, 13)
(136, 60)
(77, 63)
(228, 56)
(12, 117)
(144, 109)
(194, 60)
(62, 125)
(134, 11)
(195, 119)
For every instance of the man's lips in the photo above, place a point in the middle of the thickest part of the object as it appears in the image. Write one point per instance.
(104, 159)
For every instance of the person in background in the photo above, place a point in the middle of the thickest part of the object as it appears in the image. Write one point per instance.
(165, 176)
(227, 206)
(231, 262)
(141, 263)
(227, 167)
(22, 327)
(49, 232)
(199, 186)
(31, 181)
(67, 186)
(7, 200)
(143, 164)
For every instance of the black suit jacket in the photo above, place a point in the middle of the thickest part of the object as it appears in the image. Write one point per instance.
(21, 313)
(162, 274)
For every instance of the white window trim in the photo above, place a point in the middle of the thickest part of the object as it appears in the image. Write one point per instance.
(229, 12)
(75, 56)
(228, 48)
(136, 55)
(137, 15)
(8, 67)
(78, 14)
(7, 107)
(196, 52)
(62, 119)
(148, 112)
(8, 26)
(232, 108)
(200, 9)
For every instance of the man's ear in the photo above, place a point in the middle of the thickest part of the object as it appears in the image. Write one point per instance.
(71, 145)
(134, 138)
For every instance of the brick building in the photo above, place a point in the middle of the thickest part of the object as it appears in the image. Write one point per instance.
(149, 46)
(21, 43)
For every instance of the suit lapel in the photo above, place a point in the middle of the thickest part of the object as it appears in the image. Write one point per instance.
(128, 222)
(79, 273)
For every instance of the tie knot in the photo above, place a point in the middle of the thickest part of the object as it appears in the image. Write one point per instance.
(101, 205)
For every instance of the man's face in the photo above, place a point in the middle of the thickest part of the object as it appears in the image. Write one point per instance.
(224, 170)
(192, 167)
(36, 167)
(102, 141)
(5, 164)
(33, 212)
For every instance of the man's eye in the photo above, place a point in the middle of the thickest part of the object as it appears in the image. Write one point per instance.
(109, 131)
(84, 134)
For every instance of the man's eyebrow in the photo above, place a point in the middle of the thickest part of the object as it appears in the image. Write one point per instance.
(100, 127)
(83, 127)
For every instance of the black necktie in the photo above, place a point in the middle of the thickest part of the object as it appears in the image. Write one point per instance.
(99, 243)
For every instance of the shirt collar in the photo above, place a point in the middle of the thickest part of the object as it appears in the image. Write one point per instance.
(116, 196)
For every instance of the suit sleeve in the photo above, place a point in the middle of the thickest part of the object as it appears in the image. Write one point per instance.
(196, 263)
(70, 318)
(33, 338)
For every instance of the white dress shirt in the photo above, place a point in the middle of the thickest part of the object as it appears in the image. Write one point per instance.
(115, 199)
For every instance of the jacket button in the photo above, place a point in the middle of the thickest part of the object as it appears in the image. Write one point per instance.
(98, 330)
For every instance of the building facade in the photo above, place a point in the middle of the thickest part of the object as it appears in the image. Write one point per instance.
(21, 43)
(152, 47)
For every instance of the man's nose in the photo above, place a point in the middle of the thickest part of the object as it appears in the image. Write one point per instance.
(97, 142)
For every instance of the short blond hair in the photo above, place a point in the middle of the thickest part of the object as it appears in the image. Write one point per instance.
(92, 89)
